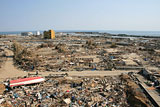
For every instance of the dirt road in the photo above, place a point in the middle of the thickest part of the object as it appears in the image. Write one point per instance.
(8, 70)
(90, 73)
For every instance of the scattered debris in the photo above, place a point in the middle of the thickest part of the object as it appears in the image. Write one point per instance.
(2, 88)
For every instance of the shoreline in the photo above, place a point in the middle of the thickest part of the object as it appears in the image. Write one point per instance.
(144, 34)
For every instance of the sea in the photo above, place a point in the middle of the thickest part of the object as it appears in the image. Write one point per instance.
(137, 33)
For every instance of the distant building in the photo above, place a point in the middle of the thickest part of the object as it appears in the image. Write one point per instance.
(26, 33)
(38, 33)
(49, 34)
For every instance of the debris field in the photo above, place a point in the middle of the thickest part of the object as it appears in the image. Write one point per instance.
(59, 91)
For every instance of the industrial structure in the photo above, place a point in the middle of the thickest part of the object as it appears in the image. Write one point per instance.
(49, 34)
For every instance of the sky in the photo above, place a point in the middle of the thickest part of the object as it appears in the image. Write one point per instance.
(29, 15)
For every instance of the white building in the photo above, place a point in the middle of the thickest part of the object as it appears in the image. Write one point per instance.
(38, 33)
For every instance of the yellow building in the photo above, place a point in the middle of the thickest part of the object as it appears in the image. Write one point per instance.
(49, 34)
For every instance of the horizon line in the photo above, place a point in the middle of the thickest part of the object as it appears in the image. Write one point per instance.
(85, 30)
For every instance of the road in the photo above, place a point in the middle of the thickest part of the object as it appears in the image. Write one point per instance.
(8, 70)
(90, 73)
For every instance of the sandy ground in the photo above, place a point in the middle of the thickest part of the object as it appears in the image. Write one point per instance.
(8, 70)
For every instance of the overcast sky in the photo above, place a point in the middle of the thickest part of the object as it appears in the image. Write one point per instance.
(24, 15)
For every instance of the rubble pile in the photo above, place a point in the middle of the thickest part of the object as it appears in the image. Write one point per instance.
(68, 92)
(150, 51)
(80, 53)
(71, 57)
(134, 93)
